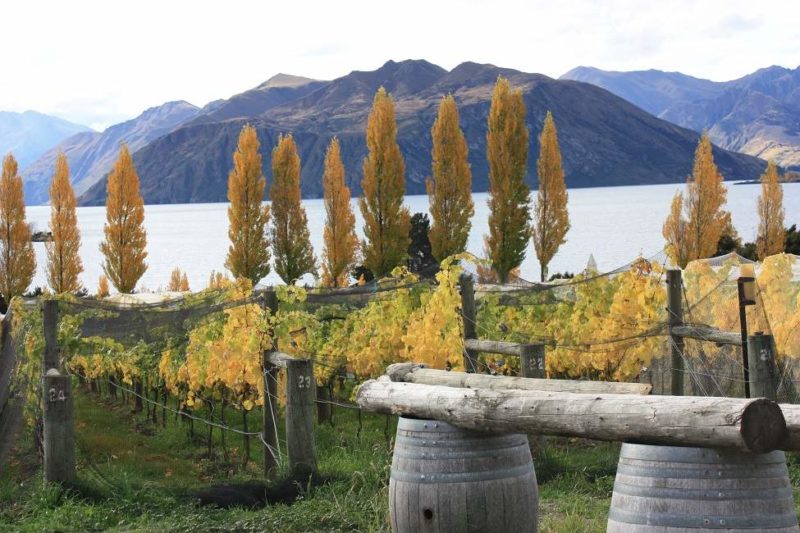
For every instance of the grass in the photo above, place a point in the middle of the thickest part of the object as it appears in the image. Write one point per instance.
(138, 476)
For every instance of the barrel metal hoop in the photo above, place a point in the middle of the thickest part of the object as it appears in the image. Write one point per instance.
(680, 454)
(437, 452)
(710, 494)
(462, 477)
(699, 473)
(703, 521)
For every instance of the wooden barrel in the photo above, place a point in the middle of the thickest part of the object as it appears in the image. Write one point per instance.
(448, 479)
(669, 489)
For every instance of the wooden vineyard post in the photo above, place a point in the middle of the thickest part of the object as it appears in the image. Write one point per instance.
(675, 310)
(58, 423)
(59, 429)
(469, 318)
(763, 374)
(269, 415)
(531, 360)
(269, 411)
(300, 396)
(323, 404)
(50, 327)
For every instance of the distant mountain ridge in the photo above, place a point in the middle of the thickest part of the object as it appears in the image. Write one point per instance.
(605, 140)
(758, 114)
(91, 155)
(29, 134)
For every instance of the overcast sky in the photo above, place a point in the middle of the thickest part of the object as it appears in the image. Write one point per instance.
(100, 62)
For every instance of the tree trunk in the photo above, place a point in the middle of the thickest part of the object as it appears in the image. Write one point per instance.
(415, 373)
(754, 425)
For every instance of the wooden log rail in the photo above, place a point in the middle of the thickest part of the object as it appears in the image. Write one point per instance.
(755, 425)
(707, 333)
(792, 415)
(417, 373)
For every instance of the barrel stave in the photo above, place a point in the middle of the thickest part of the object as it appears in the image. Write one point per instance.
(447, 479)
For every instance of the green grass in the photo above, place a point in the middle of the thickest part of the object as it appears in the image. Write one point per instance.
(137, 476)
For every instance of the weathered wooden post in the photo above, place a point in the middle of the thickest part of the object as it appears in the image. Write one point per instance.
(50, 327)
(59, 428)
(323, 404)
(763, 374)
(469, 318)
(57, 408)
(269, 416)
(531, 360)
(300, 396)
(675, 310)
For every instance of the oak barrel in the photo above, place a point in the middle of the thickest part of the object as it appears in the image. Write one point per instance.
(671, 489)
(447, 479)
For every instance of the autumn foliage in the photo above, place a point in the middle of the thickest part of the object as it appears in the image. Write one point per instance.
(386, 221)
(291, 242)
(693, 231)
(248, 254)
(103, 289)
(63, 260)
(771, 233)
(550, 216)
(17, 260)
(450, 185)
(178, 281)
(125, 237)
(341, 243)
(509, 195)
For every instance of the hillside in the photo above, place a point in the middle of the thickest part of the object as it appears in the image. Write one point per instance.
(758, 114)
(92, 154)
(605, 140)
(28, 135)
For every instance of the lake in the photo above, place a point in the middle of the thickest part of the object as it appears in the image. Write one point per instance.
(615, 224)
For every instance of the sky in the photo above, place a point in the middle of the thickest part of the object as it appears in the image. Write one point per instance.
(98, 63)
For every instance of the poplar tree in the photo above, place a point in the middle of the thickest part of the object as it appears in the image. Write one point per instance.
(341, 242)
(125, 236)
(291, 242)
(550, 216)
(386, 221)
(178, 281)
(509, 195)
(771, 233)
(17, 260)
(64, 264)
(102, 287)
(450, 185)
(694, 231)
(248, 254)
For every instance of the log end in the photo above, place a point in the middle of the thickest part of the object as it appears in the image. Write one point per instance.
(399, 371)
(763, 427)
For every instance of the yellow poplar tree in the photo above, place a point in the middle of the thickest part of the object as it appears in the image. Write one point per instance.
(386, 221)
(509, 195)
(17, 260)
(178, 281)
(291, 242)
(697, 227)
(771, 233)
(102, 287)
(450, 185)
(341, 243)
(125, 237)
(63, 260)
(248, 255)
(550, 218)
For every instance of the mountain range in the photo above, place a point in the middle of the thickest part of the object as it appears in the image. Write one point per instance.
(91, 154)
(28, 135)
(758, 114)
(605, 140)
